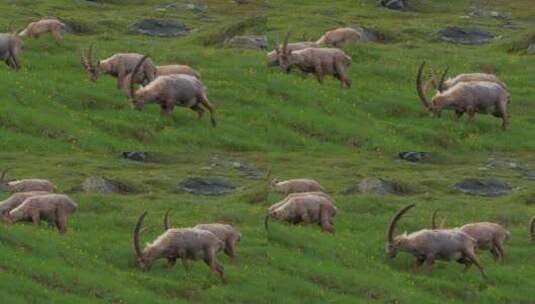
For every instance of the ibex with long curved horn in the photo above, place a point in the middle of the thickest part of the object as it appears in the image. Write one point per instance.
(430, 245)
(17, 199)
(10, 46)
(532, 229)
(472, 97)
(25, 185)
(119, 66)
(185, 244)
(170, 91)
(273, 56)
(489, 236)
(226, 233)
(317, 61)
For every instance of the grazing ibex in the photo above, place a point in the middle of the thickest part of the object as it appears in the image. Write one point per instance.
(273, 56)
(430, 245)
(317, 61)
(170, 91)
(25, 185)
(55, 208)
(307, 208)
(10, 46)
(119, 66)
(226, 233)
(489, 236)
(17, 199)
(472, 97)
(185, 244)
(295, 186)
(162, 70)
(53, 26)
(532, 229)
(339, 36)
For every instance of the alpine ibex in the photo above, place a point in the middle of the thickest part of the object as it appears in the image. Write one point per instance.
(307, 208)
(17, 199)
(185, 244)
(295, 186)
(339, 36)
(273, 57)
(430, 245)
(226, 233)
(119, 66)
(489, 236)
(472, 97)
(317, 61)
(170, 91)
(25, 185)
(532, 229)
(53, 26)
(55, 208)
(10, 46)
(162, 70)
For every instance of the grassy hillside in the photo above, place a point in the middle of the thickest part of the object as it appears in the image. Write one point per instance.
(56, 124)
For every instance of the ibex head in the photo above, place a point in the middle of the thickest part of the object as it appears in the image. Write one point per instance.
(394, 244)
(433, 105)
(284, 55)
(89, 65)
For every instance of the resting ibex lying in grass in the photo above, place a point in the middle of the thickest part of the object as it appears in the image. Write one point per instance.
(273, 56)
(226, 233)
(170, 91)
(53, 26)
(25, 185)
(430, 245)
(318, 61)
(55, 208)
(10, 46)
(17, 199)
(162, 70)
(489, 236)
(119, 66)
(307, 208)
(339, 36)
(472, 97)
(532, 229)
(295, 186)
(185, 244)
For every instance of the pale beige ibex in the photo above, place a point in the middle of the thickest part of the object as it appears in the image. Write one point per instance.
(53, 26)
(295, 185)
(17, 199)
(10, 46)
(339, 36)
(25, 185)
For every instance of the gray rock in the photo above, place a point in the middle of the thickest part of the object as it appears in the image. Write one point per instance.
(206, 186)
(248, 170)
(486, 13)
(98, 184)
(135, 156)
(415, 157)
(394, 4)
(472, 35)
(488, 187)
(248, 42)
(377, 186)
(161, 28)
(531, 49)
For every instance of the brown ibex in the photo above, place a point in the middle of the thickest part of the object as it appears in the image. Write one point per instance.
(119, 66)
(273, 56)
(185, 244)
(53, 26)
(55, 208)
(17, 199)
(10, 46)
(307, 208)
(339, 36)
(25, 185)
(472, 97)
(226, 233)
(430, 245)
(170, 91)
(317, 61)
(295, 186)
(489, 236)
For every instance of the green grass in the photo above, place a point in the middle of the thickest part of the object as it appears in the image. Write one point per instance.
(56, 124)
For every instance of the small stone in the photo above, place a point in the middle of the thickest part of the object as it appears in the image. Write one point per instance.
(471, 35)
(488, 187)
(248, 42)
(414, 156)
(377, 186)
(206, 186)
(161, 28)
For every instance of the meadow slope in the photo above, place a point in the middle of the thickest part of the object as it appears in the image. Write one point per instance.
(56, 124)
